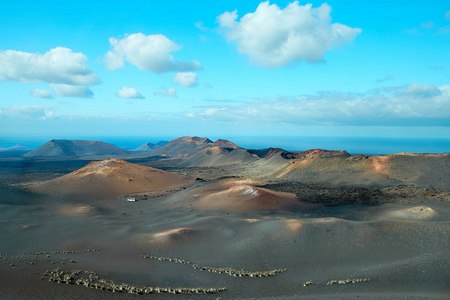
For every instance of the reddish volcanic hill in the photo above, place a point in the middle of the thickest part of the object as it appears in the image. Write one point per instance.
(76, 148)
(217, 156)
(241, 196)
(110, 178)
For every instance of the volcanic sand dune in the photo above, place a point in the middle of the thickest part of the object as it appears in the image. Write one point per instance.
(74, 210)
(171, 239)
(247, 198)
(414, 213)
(110, 178)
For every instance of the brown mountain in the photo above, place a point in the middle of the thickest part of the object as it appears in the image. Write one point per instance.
(218, 156)
(75, 148)
(110, 178)
(189, 145)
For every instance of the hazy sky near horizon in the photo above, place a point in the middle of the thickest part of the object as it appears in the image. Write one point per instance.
(225, 68)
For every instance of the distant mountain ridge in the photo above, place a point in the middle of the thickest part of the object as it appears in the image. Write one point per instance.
(190, 151)
(75, 148)
(190, 145)
(149, 147)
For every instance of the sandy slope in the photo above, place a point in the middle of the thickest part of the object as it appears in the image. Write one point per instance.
(415, 170)
(402, 248)
(110, 178)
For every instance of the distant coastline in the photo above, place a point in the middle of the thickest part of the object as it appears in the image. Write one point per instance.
(354, 145)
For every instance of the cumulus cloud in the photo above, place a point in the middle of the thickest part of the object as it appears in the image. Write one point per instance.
(171, 92)
(67, 90)
(414, 104)
(59, 65)
(274, 37)
(187, 79)
(29, 111)
(422, 90)
(39, 93)
(127, 92)
(148, 53)
(445, 90)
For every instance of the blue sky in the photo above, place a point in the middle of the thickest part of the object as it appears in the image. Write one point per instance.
(225, 68)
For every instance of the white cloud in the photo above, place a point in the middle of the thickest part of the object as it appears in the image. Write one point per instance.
(67, 90)
(127, 92)
(447, 15)
(212, 111)
(274, 37)
(67, 72)
(59, 65)
(187, 79)
(29, 111)
(148, 53)
(171, 92)
(409, 105)
(39, 93)
(445, 90)
(422, 90)
(200, 26)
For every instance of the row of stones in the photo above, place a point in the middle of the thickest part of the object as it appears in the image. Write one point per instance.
(93, 281)
(340, 281)
(228, 271)
(33, 256)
